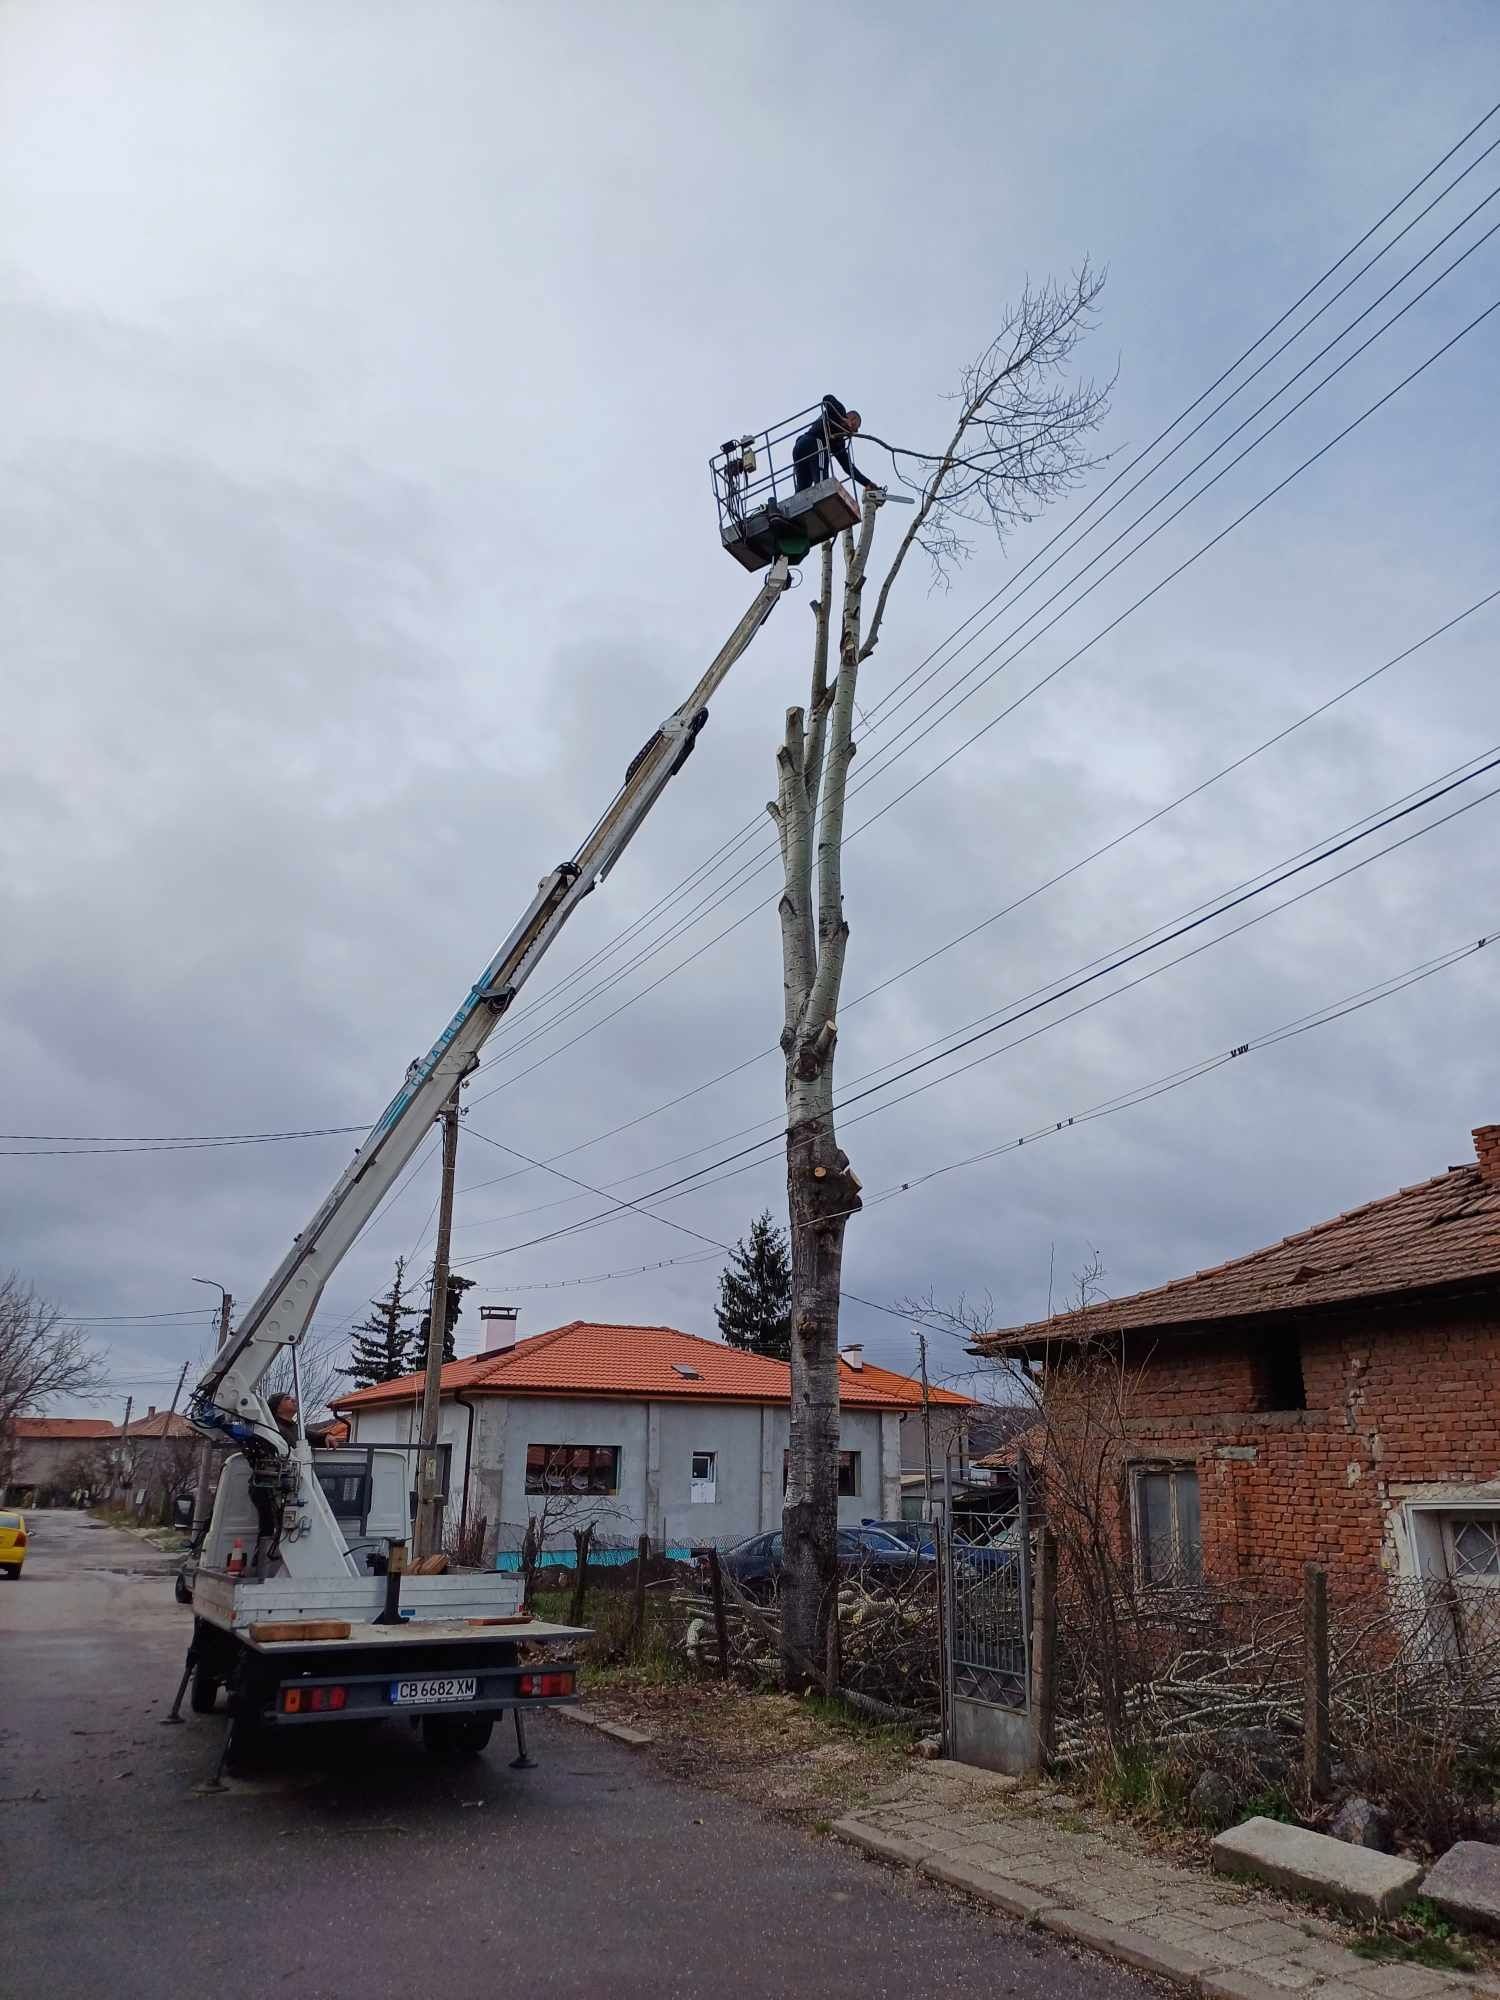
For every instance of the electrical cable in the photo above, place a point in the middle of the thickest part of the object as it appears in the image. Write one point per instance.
(1062, 665)
(1030, 895)
(701, 1177)
(1353, 249)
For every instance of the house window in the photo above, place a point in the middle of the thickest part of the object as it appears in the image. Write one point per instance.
(705, 1484)
(1281, 1383)
(573, 1468)
(1471, 1544)
(848, 1473)
(1168, 1530)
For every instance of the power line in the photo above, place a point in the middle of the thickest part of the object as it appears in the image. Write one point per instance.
(188, 1143)
(761, 866)
(753, 825)
(700, 1176)
(1069, 660)
(1129, 1099)
(1030, 895)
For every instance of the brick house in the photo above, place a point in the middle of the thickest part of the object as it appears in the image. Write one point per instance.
(1333, 1398)
(40, 1455)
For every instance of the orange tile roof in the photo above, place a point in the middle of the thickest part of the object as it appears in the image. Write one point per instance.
(62, 1427)
(161, 1423)
(1440, 1234)
(905, 1388)
(588, 1359)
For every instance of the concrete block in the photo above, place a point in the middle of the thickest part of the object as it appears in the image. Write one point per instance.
(1310, 1864)
(1465, 1884)
(884, 1846)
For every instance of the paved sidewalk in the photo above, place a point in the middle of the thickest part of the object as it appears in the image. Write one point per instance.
(1030, 1852)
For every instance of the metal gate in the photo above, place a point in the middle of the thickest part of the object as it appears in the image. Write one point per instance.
(986, 1576)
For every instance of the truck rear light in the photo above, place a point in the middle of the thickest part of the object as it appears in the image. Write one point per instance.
(545, 1684)
(313, 1700)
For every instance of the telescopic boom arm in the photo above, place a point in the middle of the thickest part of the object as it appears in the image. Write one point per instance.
(227, 1400)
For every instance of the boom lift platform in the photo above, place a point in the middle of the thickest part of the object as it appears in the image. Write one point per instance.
(762, 516)
(304, 1615)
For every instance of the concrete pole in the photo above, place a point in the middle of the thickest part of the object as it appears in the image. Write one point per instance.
(203, 1490)
(429, 1485)
(118, 1486)
(926, 1424)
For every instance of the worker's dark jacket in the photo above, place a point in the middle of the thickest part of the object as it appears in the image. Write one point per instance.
(828, 435)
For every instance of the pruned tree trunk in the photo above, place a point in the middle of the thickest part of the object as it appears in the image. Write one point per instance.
(822, 1189)
(1017, 442)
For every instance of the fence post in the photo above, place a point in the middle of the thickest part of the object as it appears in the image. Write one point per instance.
(721, 1623)
(1315, 1743)
(582, 1542)
(638, 1617)
(1044, 1644)
(833, 1665)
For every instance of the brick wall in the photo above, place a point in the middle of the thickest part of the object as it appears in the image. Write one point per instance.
(1395, 1403)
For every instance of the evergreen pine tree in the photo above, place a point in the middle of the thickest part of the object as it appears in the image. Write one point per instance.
(755, 1292)
(456, 1288)
(382, 1342)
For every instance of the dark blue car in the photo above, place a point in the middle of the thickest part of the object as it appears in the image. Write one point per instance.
(877, 1556)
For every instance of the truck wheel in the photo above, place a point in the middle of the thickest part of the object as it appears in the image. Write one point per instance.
(182, 1590)
(456, 1735)
(204, 1692)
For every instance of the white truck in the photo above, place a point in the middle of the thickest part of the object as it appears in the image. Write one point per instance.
(303, 1610)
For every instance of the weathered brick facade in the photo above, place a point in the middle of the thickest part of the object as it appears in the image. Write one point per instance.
(1337, 1396)
(1401, 1404)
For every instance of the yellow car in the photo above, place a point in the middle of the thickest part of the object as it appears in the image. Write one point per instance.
(12, 1542)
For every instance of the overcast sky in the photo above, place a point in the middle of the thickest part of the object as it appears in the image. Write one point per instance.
(362, 366)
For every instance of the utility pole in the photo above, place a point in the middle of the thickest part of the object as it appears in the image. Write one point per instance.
(203, 1487)
(166, 1425)
(124, 1447)
(926, 1424)
(429, 1485)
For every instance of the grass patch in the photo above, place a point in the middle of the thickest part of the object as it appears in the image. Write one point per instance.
(1138, 1784)
(1420, 1935)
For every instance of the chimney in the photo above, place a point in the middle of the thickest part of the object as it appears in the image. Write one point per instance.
(494, 1320)
(1487, 1151)
(854, 1354)
(150, 1412)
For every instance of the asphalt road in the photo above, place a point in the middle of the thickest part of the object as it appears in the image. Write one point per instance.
(356, 1867)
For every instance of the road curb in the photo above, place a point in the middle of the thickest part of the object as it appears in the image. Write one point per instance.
(1033, 1906)
(618, 1732)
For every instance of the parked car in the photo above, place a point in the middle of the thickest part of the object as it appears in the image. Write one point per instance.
(12, 1542)
(981, 1549)
(918, 1535)
(875, 1556)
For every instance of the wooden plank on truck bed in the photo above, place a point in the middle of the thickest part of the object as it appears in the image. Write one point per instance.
(439, 1631)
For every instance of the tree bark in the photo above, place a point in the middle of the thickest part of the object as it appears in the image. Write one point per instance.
(822, 1190)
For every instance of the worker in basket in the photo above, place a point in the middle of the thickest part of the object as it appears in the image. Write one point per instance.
(829, 435)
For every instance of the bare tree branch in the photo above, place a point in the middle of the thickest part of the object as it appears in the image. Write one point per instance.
(1020, 437)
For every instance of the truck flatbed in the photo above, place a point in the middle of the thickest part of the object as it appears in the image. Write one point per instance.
(422, 1632)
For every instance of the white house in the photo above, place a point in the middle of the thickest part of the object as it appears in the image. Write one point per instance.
(640, 1429)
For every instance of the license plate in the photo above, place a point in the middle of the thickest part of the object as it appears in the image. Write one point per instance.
(421, 1693)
